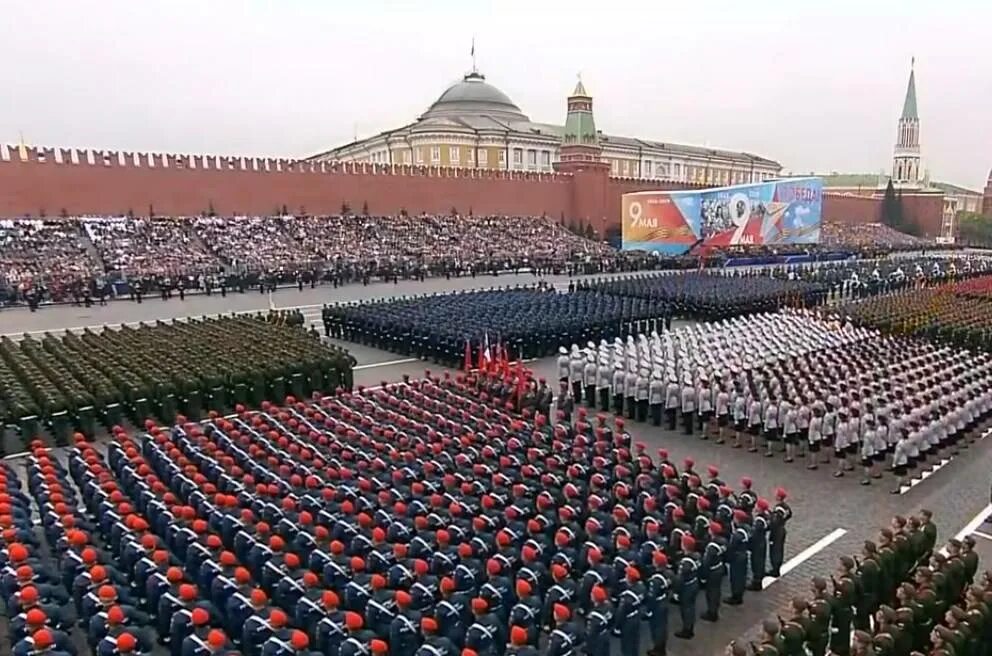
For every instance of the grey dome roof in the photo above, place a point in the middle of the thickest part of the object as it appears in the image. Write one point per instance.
(473, 95)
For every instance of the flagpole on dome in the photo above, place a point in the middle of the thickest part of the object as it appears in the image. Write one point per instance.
(472, 53)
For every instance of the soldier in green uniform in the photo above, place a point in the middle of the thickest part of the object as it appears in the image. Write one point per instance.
(771, 634)
(885, 645)
(969, 558)
(843, 615)
(794, 630)
(929, 532)
(862, 645)
(913, 616)
(818, 633)
(887, 566)
(869, 574)
(956, 571)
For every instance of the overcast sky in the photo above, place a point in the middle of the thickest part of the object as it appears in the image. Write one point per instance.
(817, 86)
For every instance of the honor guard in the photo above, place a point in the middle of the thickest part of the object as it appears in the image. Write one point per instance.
(656, 397)
(604, 374)
(589, 373)
(642, 385)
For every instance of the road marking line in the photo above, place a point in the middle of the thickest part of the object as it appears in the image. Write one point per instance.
(971, 526)
(982, 535)
(805, 555)
(940, 465)
(388, 363)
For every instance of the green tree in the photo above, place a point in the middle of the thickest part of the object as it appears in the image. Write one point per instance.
(891, 213)
(973, 228)
(572, 227)
(590, 232)
(365, 208)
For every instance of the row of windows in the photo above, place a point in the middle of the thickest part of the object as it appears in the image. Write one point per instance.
(534, 159)
(693, 173)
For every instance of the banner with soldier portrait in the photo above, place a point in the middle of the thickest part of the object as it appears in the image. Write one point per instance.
(769, 213)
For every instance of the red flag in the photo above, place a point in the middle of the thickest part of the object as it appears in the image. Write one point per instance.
(521, 383)
(468, 355)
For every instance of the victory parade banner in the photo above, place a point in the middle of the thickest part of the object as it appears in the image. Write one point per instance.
(768, 213)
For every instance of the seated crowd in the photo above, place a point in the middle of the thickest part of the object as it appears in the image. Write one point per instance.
(50, 253)
(160, 254)
(149, 247)
(872, 235)
(422, 519)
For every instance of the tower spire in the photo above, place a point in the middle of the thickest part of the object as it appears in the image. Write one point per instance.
(906, 169)
(909, 104)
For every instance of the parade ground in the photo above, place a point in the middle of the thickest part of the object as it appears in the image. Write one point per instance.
(833, 517)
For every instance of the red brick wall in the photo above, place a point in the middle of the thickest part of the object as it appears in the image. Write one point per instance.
(34, 186)
(842, 208)
(923, 210)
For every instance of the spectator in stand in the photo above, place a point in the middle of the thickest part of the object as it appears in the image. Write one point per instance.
(868, 235)
(44, 259)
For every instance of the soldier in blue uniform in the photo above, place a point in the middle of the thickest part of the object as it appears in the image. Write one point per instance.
(759, 544)
(781, 514)
(629, 613)
(712, 571)
(657, 602)
(737, 557)
(687, 587)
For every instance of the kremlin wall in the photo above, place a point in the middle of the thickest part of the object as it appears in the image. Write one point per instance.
(40, 182)
(572, 171)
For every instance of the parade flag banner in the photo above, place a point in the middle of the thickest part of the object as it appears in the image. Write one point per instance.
(672, 222)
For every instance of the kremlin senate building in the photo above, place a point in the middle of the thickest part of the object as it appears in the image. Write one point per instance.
(475, 125)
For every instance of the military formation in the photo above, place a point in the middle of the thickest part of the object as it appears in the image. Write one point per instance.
(714, 296)
(162, 368)
(896, 598)
(796, 383)
(531, 322)
(422, 519)
(957, 314)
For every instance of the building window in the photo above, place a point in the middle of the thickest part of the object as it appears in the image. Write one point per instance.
(546, 159)
(454, 155)
(420, 155)
(648, 169)
(518, 156)
(406, 157)
(661, 171)
(470, 156)
(531, 158)
(678, 171)
(435, 154)
(502, 157)
(625, 168)
(483, 157)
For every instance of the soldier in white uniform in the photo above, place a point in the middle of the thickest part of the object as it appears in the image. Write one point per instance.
(771, 425)
(630, 389)
(576, 369)
(642, 385)
(688, 397)
(603, 375)
(814, 435)
(722, 410)
(656, 397)
(673, 400)
(619, 376)
(739, 415)
(790, 428)
(563, 364)
(589, 372)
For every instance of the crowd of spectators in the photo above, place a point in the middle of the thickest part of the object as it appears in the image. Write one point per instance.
(868, 235)
(53, 253)
(149, 246)
(65, 259)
